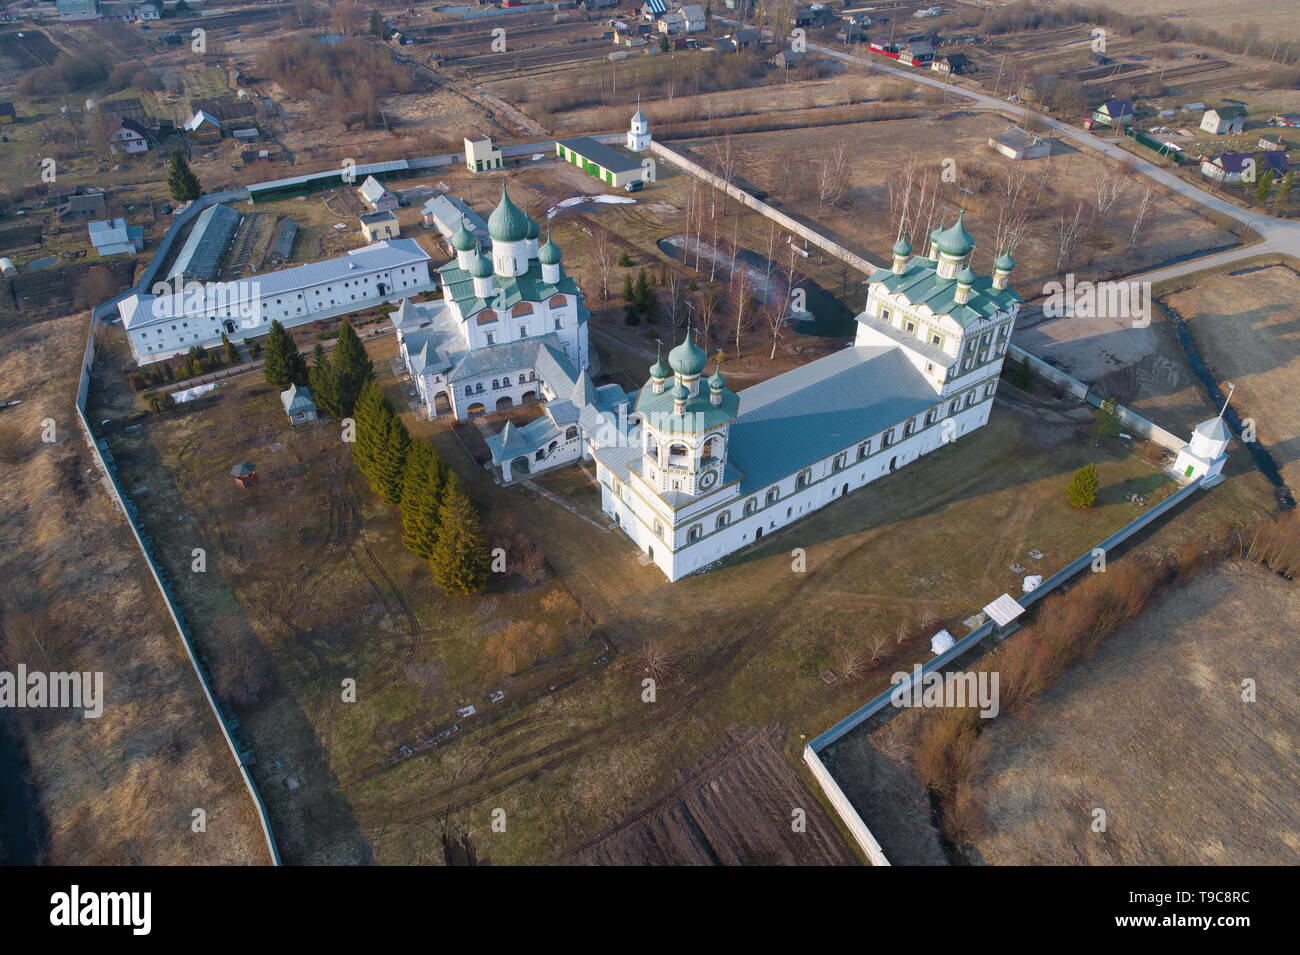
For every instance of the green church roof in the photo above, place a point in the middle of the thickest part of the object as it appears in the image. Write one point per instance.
(508, 223)
(549, 254)
(463, 240)
(688, 359)
(955, 241)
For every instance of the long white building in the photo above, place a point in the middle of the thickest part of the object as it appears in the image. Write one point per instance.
(704, 471)
(160, 326)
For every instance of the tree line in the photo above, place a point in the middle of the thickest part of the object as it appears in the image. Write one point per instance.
(439, 522)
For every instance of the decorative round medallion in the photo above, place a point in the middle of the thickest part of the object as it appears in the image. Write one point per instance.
(708, 479)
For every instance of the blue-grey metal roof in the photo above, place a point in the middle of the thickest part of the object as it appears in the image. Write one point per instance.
(806, 415)
(604, 156)
(201, 253)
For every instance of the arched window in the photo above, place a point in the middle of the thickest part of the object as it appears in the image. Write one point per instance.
(694, 534)
(723, 520)
(929, 417)
(802, 481)
(522, 379)
(750, 506)
(864, 449)
(771, 495)
(708, 451)
(907, 428)
(840, 461)
(479, 387)
(570, 433)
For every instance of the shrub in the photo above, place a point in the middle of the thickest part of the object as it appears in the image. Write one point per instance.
(1105, 420)
(1084, 486)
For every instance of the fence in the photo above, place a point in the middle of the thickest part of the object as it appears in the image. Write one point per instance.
(812, 751)
(758, 205)
(159, 575)
(1078, 389)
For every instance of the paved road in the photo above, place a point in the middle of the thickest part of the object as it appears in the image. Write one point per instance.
(1277, 235)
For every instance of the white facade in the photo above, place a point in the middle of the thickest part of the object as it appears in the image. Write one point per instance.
(161, 326)
(638, 134)
(701, 477)
(1205, 455)
(481, 155)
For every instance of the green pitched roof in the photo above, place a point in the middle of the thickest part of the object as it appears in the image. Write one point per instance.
(700, 413)
(509, 292)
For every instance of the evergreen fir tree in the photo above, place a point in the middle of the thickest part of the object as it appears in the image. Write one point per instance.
(392, 468)
(371, 425)
(181, 181)
(352, 368)
(460, 561)
(1084, 486)
(628, 294)
(422, 490)
(324, 386)
(276, 366)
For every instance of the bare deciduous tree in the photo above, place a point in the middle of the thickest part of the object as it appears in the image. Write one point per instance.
(1145, 199)
(602, 249)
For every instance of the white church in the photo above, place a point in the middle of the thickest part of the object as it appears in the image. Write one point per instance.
(510, 329)
(706, 471)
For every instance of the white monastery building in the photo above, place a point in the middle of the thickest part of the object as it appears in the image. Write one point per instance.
(510, 329)
(701, 472)
(160, 326)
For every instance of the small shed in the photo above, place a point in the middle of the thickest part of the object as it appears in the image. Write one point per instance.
(245, 474)
(298, 405)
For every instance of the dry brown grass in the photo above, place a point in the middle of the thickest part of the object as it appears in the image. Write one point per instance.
(119, 789)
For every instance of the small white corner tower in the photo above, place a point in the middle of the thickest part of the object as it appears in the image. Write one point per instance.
(638, 135)
(1205, 455)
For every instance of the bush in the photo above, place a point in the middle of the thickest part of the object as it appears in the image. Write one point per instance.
(1084, 486)
(1105, 420)
(630, 316)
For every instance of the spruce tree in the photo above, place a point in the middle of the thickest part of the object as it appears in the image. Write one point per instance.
(374, 415)
(392, 468)
(418, 458)
(181, 181)
(628, 294)
(324, 386)
(275, 367)
(460, 560)
(1084, 486)
(352, 368)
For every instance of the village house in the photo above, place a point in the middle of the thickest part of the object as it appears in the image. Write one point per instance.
(954, 64)
(1224, 119)
(1114, 112)
(1244, 167)
(115, 237)
(125, 135)
(377, 196)
(693, 17)
(80, 206)
(203, 127)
